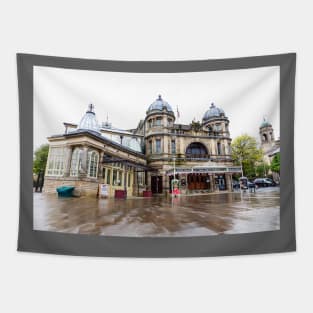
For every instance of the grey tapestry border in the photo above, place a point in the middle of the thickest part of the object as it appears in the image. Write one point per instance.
(282, 240)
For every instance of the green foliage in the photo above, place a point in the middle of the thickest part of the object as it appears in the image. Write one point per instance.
(275, 164)
(262, 170)
(246, 152)
(40, 158)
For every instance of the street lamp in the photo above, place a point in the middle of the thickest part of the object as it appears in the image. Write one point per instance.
(240, 159)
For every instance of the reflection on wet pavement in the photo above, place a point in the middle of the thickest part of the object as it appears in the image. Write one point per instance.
(199, 215)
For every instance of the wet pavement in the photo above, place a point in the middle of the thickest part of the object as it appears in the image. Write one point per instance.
(197, 215)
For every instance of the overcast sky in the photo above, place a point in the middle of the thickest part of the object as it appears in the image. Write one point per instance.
(62, 95)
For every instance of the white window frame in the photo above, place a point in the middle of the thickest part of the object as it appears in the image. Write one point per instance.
(93, 157)
(75, 162)
(55, 164)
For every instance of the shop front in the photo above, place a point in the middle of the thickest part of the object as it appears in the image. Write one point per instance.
(207, 179)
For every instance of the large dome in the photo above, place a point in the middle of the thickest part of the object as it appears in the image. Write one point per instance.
(160, 104)
(213, 112)
(89, 121)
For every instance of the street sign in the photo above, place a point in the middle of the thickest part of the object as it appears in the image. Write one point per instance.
(103, 190)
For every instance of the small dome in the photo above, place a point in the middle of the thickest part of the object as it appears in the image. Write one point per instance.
(265, 123)
(89, 121)
(213, 112)
(160, 104)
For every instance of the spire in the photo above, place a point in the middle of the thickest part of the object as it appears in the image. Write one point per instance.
(91, 108)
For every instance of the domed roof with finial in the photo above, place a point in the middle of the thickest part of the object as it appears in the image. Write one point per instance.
(160, 104)
(89, 121)
(265, 123)
(213, 112)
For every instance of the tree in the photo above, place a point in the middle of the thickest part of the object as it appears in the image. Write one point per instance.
(246, 153)
(40, 158)
(262, 169)
(275, 163)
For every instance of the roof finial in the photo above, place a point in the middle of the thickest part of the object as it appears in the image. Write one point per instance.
(90, 107)
(159, 97)
(212, 105)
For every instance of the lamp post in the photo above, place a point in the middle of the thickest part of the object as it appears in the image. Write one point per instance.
(240, 159)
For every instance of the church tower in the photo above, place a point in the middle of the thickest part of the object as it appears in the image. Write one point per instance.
(266, 135)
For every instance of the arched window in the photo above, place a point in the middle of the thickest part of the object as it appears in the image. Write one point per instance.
(75, 162)
(264, 137)
(92, 161)
(196, 149)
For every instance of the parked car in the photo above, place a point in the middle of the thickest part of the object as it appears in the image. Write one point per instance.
(264, 182)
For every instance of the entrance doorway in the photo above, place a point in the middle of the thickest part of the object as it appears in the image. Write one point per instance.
(220, 182)
(156, 184)
(198, 181)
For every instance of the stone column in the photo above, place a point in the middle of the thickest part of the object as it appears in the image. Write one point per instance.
(165, 183)
(135, 182)
(212, 183)
(84, 165)
(100, 167)
(67, 160)
(229, 183)
(148, 181)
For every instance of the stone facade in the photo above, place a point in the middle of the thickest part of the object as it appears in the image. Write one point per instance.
(145, 158)
(269, 145)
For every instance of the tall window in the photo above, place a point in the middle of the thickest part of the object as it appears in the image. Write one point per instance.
(218, 127)
(108, 180)
(55, 162)
(158, 121)
(141, 178)
(158, 145)
(117, 177)
(92, 161)
(173, 146)
(150, 146)
(219, 148)
(75, 162)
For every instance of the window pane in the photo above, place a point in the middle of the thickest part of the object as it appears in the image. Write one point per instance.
(173, 147)
(108, 176)
(158, 145)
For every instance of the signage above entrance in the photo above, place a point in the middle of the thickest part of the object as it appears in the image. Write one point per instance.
(207, 169)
